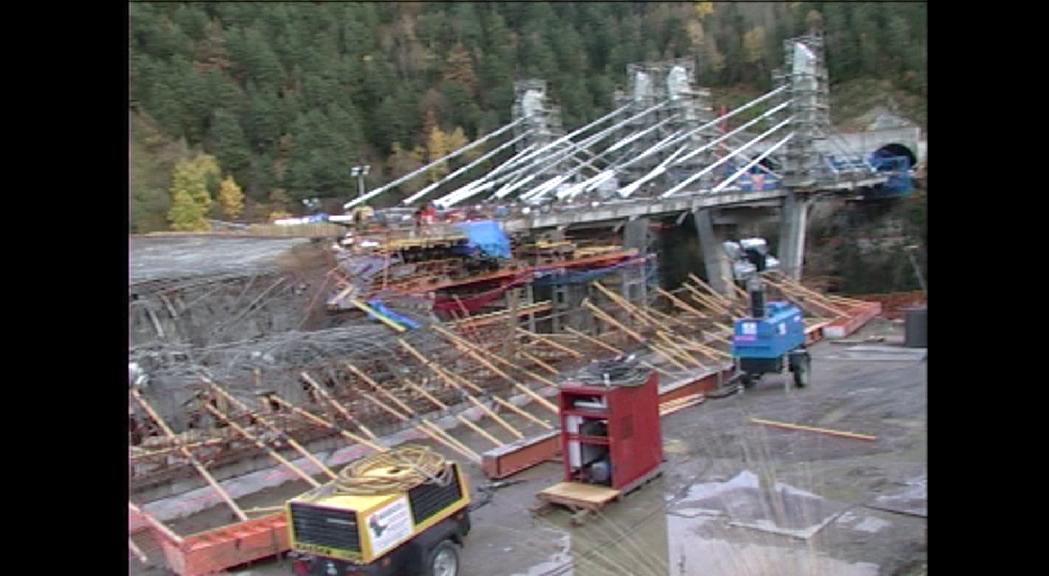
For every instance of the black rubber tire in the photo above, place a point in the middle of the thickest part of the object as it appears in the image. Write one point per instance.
(445, 547)
(802, 373)
(747, 381)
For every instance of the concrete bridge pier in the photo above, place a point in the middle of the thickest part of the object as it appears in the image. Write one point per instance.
(793, 222)
(636, 235)
(715, 260)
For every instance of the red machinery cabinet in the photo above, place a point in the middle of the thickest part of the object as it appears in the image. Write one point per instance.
(610, 435)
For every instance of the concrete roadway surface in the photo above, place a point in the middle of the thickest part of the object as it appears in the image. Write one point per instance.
(741, 499)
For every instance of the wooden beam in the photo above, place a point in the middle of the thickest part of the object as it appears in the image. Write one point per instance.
(550, 342)
(136, 551)
(472, 351)
(291, 441)
(459, 417)
(539, 362)
(679, 303)
(189, 456)
(509, 428)
(338, 407)
(720, 297)
(788, 426)
(389, 395)
(378, 316)
(607, 318)
(326, 424)
(432, 430)
(255, 440)
(614, 350)
(164, 531)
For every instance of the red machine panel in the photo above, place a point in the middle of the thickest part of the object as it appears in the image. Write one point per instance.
(610, 435)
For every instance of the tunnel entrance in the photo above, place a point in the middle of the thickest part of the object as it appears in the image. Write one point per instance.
(898, 151)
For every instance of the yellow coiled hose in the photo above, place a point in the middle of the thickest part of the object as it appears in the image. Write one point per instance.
(396, 470)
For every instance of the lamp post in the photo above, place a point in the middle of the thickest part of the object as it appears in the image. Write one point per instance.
(359, 172)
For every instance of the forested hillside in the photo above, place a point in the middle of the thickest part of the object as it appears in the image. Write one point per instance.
(287, 96)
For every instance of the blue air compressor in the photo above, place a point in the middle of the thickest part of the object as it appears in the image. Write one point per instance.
(773, 337)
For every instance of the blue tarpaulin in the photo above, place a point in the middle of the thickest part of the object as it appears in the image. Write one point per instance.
(487, 236)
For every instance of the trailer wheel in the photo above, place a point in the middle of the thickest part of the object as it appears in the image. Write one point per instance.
(747, 380)
(802, 372)
(444, 560)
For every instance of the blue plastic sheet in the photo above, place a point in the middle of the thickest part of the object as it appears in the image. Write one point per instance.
(487, 236)
(402, 320)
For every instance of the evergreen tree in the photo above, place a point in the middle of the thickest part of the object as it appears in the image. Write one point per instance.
(229, 143)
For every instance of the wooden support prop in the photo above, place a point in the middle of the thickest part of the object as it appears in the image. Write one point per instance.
(164, 531)
(550, 343)
(668, 318)
(539, 362)
(613, 349)
(189, 456)
(609, 319)
(712, 352)
(679, 303)
(136, 551)
(707, 301)
(138, 455)
(389, 395)
(484, 408)
(291, 441)
(726, 301)
(473, 351)
(788, 426)
(625, 305)
(375, 313)
(255, 440)
(684, 354)
(470, 347)
(459, 417)
(338, 407)
(807, 297)
(428, 428)
(718, 337)
(789, 286)
(325, 423)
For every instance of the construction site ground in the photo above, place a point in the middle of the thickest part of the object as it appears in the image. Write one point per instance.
(840, 506)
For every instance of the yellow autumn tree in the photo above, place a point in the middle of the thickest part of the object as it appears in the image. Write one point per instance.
(436, 147)
(754, 45)
(279, 203)
(185, 213)
(196, 177)
(703, 9)
(231, 199)
(457, 139)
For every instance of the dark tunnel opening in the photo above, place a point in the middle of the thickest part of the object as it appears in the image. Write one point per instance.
(897, 150)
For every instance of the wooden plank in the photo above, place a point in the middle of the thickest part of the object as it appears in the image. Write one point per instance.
(580, 495)
(679, 303)
(380, 317)
(291, 441)
(338, 407)
(472, 351)
(788, 426)
(613, 349)
(256, 441)
(326, 424)
(539, 362)
(422, 359)
(549, 342)
(189, 456)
